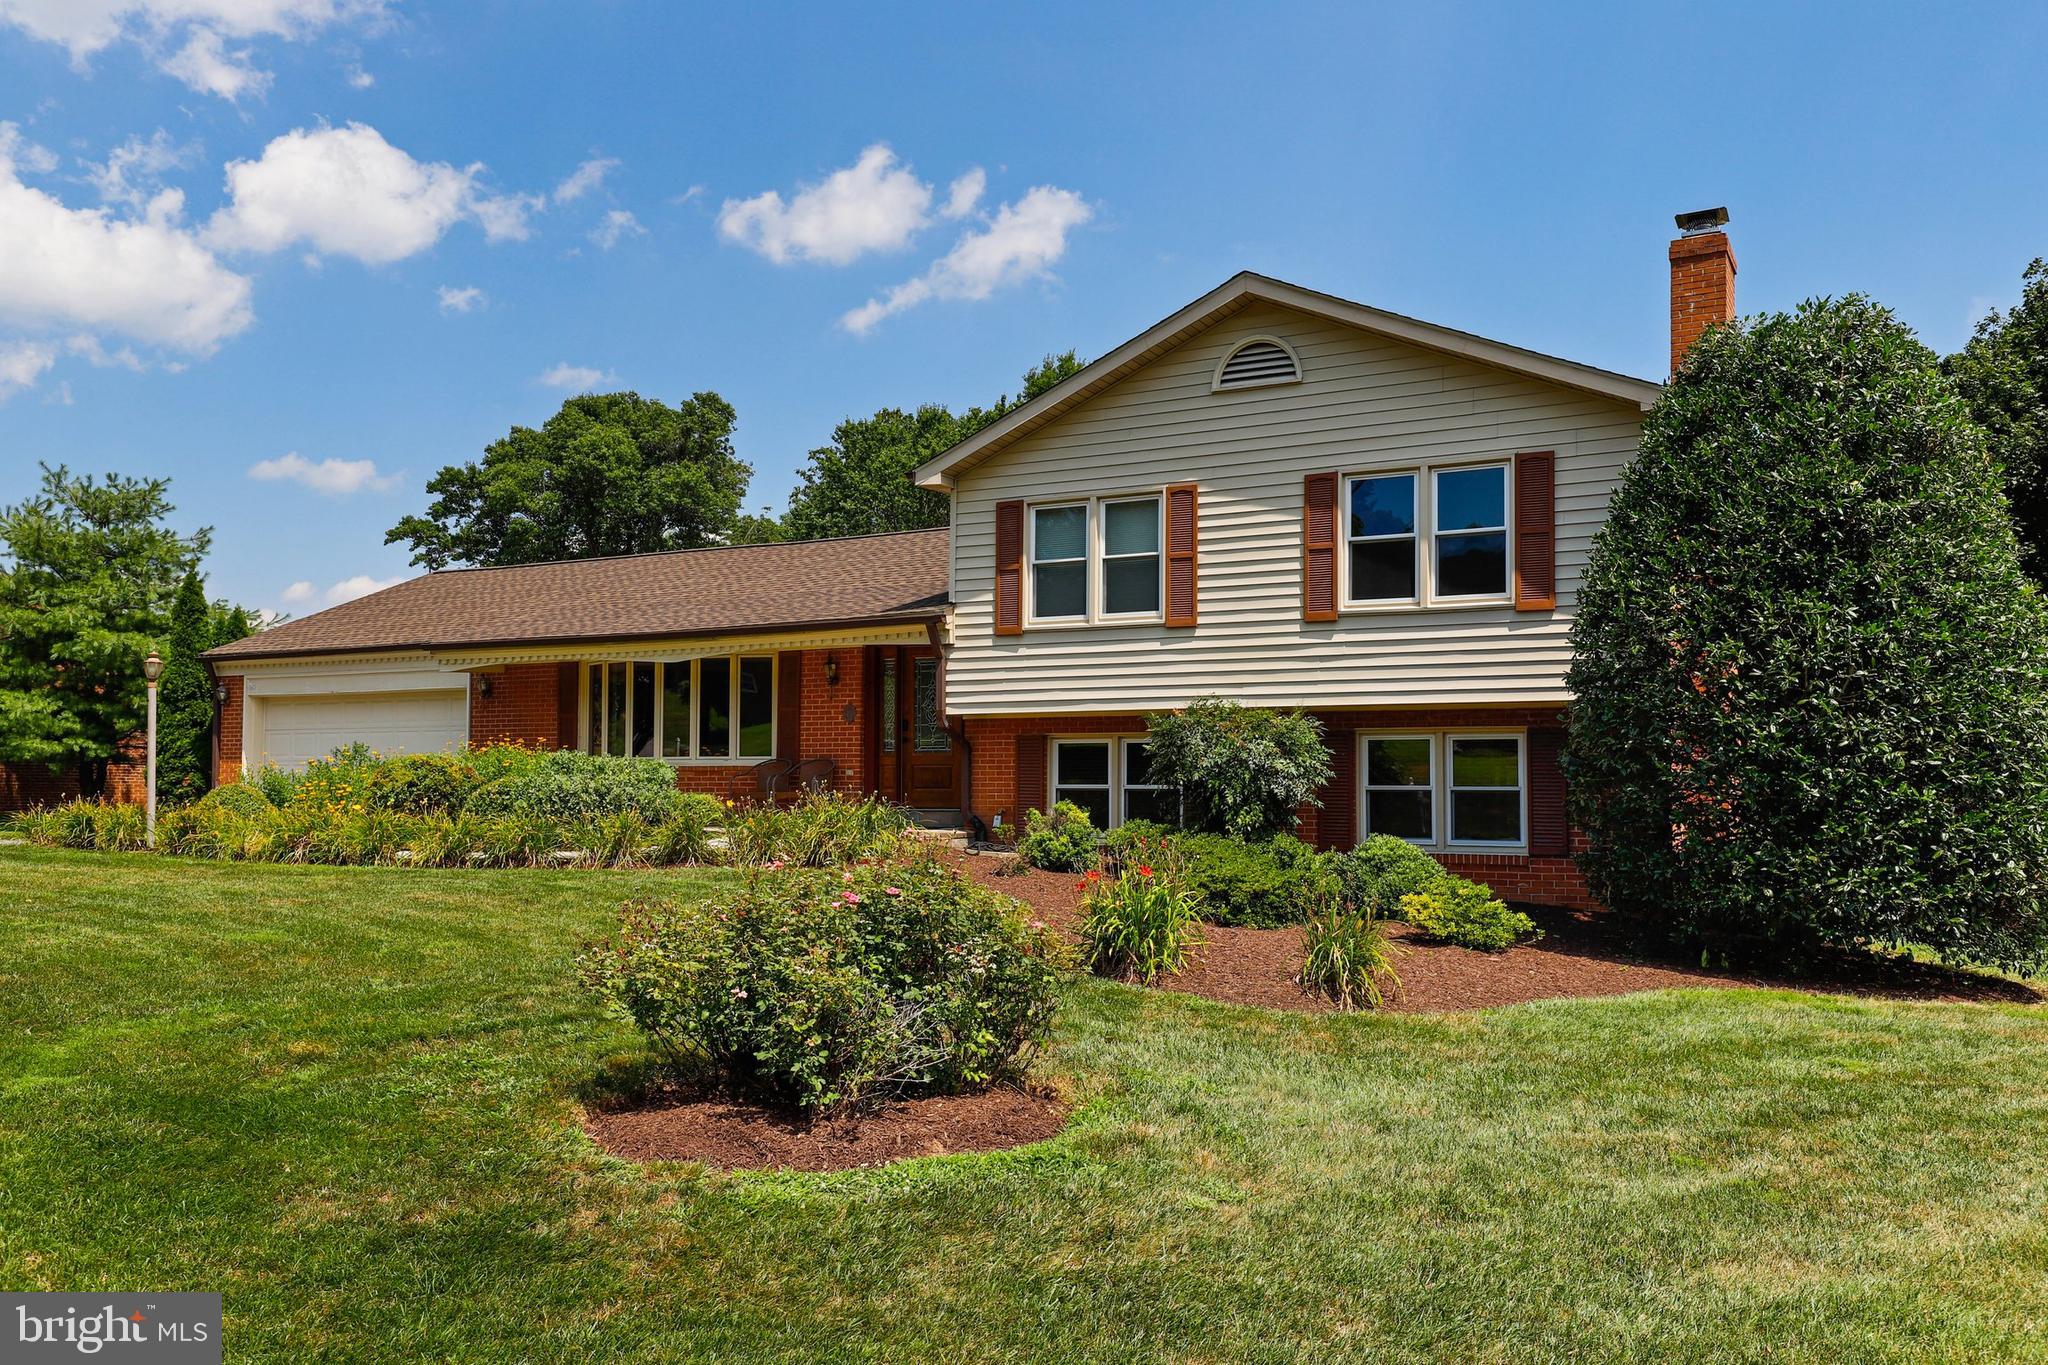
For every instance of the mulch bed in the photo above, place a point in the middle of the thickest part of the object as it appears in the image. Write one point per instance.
(1579, 955)
(717, 1132)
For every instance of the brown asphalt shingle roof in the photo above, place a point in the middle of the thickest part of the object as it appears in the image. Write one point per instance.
(725, 590)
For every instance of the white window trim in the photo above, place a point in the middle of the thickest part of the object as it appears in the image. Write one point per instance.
(1216, 384)
(1506, 531)
(1426, 597)
(1096, 530)
(695, 666)
(1099, 571)
(1116, 745)
(1414, 538)
(1440, 787)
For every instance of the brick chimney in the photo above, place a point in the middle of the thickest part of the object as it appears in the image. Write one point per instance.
(1702, 279)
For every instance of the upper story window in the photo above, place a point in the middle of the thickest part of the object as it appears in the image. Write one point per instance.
(718, 709)
(1426, 536)
(1256, 362)
(1472, 532)
(1097, 560)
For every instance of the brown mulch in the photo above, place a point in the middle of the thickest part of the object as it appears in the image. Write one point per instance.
(723, 1133)
(1579, 955)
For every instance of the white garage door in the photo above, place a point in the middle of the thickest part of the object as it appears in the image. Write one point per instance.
(298, 728)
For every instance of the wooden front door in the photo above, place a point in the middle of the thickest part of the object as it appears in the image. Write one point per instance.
(927, 761)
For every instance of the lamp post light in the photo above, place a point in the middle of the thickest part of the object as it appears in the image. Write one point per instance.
(152, 669)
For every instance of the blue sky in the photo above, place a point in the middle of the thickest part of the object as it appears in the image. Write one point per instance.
(238, 235)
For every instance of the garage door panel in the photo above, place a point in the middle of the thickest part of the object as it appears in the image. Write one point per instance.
(297, 729)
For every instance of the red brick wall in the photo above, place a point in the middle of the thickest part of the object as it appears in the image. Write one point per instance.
(524, 706)
(24, 786)
(228, 723)
(1539, 881)
(835, 718)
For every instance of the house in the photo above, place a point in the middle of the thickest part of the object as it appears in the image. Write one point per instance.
(1273, 495)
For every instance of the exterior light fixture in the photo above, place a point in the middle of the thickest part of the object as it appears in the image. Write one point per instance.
(152, 669)
(483, 686)
(832, 670)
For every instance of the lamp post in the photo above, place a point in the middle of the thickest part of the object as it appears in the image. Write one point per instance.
(152, 669)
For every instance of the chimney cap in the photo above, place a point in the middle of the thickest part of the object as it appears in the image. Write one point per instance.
(1701, 220)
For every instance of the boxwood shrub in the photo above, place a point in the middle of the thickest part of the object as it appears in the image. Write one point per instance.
(1264, 884)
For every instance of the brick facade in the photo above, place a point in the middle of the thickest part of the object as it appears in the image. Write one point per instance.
(227, 727)
(531, 704)
(1536, 880)
(25, 786)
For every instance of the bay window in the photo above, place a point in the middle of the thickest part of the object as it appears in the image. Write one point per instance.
(1097, 560)
(1445, 789)
(720, 709)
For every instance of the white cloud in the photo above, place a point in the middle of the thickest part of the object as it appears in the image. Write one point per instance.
(359, 79)
(61, 395)
(133, 172)
(19, 153)
(876, 204)
(964, 193)
(585, 178)
(335, 478)
(617, 225)
(22, 363)
(304, 591)
(1022, 242)
(566, 376)
(467, 299)
(694, 192)
(207, 65)
(348, 192)
(186, 38)
(145, 277)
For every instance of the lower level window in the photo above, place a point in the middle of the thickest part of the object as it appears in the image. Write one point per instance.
(1111, 779)
(1445, 789)
(720, 708)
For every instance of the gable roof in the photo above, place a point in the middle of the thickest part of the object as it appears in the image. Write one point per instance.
(1241, 291)
(736, 589)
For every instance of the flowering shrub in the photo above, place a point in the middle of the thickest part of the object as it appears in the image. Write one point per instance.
(821, 990)
(1467, 914)
(1138, 924)
(1059, 840)
(1346, 956)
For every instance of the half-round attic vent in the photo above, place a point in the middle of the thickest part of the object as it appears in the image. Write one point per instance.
(1256, 362)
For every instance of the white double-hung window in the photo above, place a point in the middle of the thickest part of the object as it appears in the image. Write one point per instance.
(1471, 532)
(1096, 560)
(1111, 778)
(1434, 535)
(720, 708)
(1446, 789)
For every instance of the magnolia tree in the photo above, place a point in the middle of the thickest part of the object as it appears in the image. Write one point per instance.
(1809, 673)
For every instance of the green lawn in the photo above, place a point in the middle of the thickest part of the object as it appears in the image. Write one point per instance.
(344, 1098)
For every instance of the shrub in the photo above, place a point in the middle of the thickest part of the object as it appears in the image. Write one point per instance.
(1139, 924)
(822, 990)
(119, 828)
(1139, 839)
(75, 824)
(277, 785)
(1059, 840)
(564, 785)
(1346, 956)
(237, 798)
(203, 831)
(820, 829)
(686, 836)
(1807, 667)
(1244, 771)
(1379, 872)
(422, 784)
(1265, 884)
(1467, 914)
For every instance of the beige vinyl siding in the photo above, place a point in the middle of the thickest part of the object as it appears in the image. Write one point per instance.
(1365, 402)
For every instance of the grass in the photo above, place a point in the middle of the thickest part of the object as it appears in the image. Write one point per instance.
(344, 1097)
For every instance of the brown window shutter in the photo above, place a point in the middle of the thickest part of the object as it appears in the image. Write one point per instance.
(1319, 547)
(1536, 531)
(1030, 776)
(1182, 533)
(1549, 833)
(789, 705)
(1337, 822)
(1009, 568)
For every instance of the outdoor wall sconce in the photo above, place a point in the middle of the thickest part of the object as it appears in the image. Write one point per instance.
(831, 670)
(220, 691)
(483, 686)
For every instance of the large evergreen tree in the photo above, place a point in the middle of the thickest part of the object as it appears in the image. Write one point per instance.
(2003, 374)
(86, 583)
(1809, 673)
(860, 483)
(609, 474)
(184, 728)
